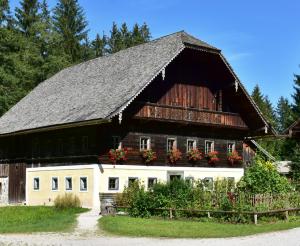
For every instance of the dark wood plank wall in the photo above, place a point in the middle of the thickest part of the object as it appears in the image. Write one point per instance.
(4, 170)
(17, 181)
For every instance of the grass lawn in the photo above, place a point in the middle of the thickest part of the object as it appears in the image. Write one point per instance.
(19, 219)
(155, 227)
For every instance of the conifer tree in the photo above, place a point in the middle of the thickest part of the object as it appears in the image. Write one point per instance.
(4, 12)
(284, 114)
(98, 46)
(258, 98)
(115, 43)
(71, 24)
(27, 15)
(296, 97)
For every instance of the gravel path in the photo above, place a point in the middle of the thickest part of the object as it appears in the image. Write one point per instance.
(87, 222)
(290, 237)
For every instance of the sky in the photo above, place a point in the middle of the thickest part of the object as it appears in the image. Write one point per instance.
(260, 38)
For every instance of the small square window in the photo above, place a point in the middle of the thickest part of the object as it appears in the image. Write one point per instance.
(191, 144)
(131, 181)
(209, 146)
(68, 183)
(144, 143)
(151, 182)
(36, 183)
(189, 180)
(171, 144)
(117, 144)
(113, 183)
(208, 183)
(54, 183)
(83, 183)
(230, 147)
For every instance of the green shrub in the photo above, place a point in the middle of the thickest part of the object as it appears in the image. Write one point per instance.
(68, 200)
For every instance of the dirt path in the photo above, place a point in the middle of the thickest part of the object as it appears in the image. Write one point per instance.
(87, 222)
(284, 238)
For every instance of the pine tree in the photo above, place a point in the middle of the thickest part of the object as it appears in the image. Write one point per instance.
(71, 24)
(115, 43)
(125, 36)
(269, 112)
(296, 97)
(4, 12)
(98, 46)
(27, 15)
(284, 114)
(258, 98)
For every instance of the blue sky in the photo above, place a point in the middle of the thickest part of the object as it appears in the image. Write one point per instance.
(261, 39)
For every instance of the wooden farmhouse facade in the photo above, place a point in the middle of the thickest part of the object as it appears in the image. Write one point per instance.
(172, 95)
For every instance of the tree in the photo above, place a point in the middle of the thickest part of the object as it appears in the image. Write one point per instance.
(115, 42)
(70, 23)
(4, 12)
(284, 114)
(27, 15)
(258, 97)
(296, 97)
(98, 46)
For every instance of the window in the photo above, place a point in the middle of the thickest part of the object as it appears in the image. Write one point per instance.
(68, 183)
(36, 183)
(131, 180)
(209, 146)
(230, 147)
(151, 182)
(113, 183)
(175, 177)
(171, 144)
(189, 179)
(117, 144)
(191, 144)
(85, 144)
(144, 143)
(208, 183)
(54, 183)
(83, 183)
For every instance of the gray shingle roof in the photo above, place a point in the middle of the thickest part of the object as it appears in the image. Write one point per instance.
(94, 89)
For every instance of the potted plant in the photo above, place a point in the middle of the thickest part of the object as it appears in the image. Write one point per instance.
(212, 157)
(234, 158)
(174, 155)
(194, 155)
(118, 155)
(148, 155)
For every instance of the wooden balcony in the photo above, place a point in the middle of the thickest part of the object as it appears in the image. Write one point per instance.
(175, 113)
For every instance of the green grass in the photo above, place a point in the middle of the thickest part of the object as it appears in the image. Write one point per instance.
(23, 219)
(155, 227)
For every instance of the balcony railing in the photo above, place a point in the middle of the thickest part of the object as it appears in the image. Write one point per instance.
(175, 113)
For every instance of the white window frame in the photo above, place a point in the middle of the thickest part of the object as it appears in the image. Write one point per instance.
(69, 177)
(148, 139)
(212, 146)
(39, 186)
(117, 179)
(52, 183)
(85, 190)
(117, 144)
(194, 144)
(155, 182)
(174, 144)
(233, 146)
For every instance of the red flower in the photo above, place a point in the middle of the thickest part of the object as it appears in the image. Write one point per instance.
(194, 155)
(148, 155)
(234, 157)
(212, 157)
(118, 155)
(174, 155)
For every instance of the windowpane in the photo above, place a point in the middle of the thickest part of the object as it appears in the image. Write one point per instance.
(113, 183)
(208, 183)
(55, 183)
(151, 182)
(36, 183)
(209, 146)
(144, 143)
(83, 184)
(131, 181)
(69, 183)
(117, 144)
(171, 144)
(191, 144)
(230, 147)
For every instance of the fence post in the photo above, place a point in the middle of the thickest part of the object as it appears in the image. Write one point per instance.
(171, 214)
(208, 215)
(255, 219)
(286, 215)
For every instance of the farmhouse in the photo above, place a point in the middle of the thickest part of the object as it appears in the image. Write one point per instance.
(85, 130)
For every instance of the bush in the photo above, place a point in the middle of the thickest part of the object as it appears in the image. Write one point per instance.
(68, 200)
(262, 177)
